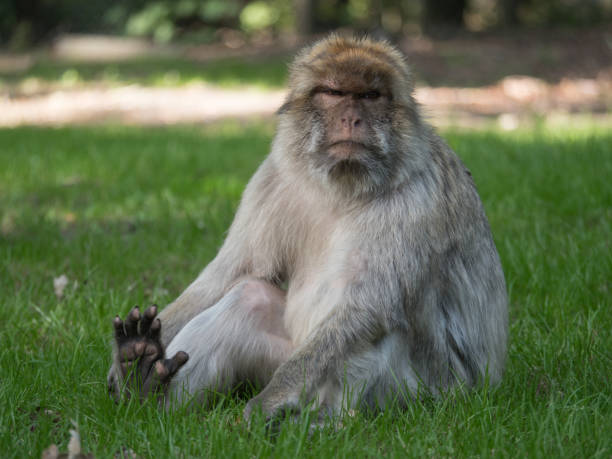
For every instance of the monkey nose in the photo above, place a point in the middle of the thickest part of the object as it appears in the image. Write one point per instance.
(351, 122)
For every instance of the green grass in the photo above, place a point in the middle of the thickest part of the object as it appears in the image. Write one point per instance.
(131, 215)
(265, 72)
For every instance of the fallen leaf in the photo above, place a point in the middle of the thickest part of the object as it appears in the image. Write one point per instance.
(74, 448)
(52, 452)
(59, 284)
(74, 445)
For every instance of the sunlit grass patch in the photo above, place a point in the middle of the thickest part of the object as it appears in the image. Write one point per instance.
(265, 72)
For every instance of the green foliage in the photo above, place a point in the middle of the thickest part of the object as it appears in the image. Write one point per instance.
(162, 20)
(8, 21)
(217, 10)
(567, 12)
(150, 21)
(23, 23)
(131, 215)
(165, 19)
(258, 15)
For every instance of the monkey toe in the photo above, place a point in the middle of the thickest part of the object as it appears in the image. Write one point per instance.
(161, 371)
(154, 330)
(161, 374)
(147, 320)
(139, 335)
(119, 328)
(131, 322)
(167, 368)
(175, 363)
(128, 329)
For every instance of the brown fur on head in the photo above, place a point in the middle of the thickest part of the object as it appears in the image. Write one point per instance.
(350, 60)
(351, 103)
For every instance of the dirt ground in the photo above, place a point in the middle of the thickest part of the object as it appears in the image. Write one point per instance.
(464, 80)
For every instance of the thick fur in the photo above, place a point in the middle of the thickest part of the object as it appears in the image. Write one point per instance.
(393, 280)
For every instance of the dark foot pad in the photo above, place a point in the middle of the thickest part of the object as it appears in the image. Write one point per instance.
(141, 362)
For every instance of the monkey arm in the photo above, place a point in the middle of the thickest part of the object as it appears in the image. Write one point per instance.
(353, 325)
(249, 249)
(212, 283)
(151, 333)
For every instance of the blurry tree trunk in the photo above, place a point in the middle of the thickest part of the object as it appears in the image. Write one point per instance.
(35, 19)
(443, 14)
(510, 12)
(304, 16)
(375, 16)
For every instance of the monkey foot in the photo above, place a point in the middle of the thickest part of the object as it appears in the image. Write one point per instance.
(141, 366)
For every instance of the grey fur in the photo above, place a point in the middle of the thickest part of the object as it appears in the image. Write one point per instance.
(393, 279)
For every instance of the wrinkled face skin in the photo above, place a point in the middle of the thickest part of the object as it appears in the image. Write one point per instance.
(352, 124)
(352, 116)
(343, 117)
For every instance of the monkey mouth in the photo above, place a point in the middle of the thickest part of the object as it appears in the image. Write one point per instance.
(346, 149)
(348, 169)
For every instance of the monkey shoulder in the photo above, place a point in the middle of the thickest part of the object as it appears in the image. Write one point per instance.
(453, 191)
(435, 210)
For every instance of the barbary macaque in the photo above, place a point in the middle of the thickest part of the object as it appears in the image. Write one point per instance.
(358, 270)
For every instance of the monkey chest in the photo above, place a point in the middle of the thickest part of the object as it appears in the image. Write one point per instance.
(317, 287)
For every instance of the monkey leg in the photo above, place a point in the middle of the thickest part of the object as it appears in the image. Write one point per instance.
(140, 366)
(240, 338)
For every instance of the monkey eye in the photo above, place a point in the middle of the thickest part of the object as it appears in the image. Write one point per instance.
(332, 92)
(369, 95)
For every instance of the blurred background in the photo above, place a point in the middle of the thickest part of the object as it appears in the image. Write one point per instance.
(163, 62)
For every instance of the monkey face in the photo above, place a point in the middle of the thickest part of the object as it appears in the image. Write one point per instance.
(352, 116)
(352, 137)
(347, 102)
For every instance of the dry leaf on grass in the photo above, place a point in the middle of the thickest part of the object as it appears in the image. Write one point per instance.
(74, 448)
(59, 284)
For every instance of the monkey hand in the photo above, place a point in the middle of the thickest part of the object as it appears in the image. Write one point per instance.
(140, 367)
(275, 401)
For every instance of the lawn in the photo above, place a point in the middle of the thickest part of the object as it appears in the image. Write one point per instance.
(130, 216)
